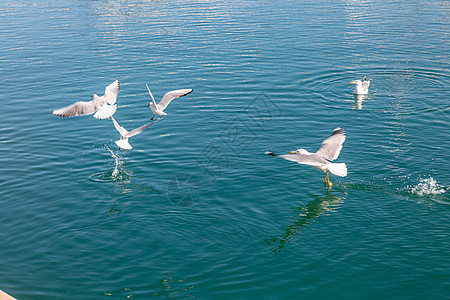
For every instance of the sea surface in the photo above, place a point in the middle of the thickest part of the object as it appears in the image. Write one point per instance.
(196, 209)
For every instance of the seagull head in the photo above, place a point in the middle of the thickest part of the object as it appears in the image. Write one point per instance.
(299, 151)
(357, 82)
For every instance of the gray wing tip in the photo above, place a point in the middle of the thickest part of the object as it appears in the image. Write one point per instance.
(60, 114)
(270, 153)
(338, 130)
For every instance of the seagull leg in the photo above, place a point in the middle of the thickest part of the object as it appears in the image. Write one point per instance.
(160, 116)
(119, 148)
(326, 178)
(152, 117)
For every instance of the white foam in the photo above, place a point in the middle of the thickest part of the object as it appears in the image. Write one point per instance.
(428, 186)
(116, 169)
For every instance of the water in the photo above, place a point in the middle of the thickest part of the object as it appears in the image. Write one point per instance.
(196, 209)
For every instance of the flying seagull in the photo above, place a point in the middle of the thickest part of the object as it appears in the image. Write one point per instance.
(159, 108)
(328, 151)
(362, 87)
(125, 134)
(103, 107)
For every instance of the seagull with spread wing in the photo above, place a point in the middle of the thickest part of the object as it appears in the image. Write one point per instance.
(125, 134)
(103, 107)
(158, 109)
(328, 151)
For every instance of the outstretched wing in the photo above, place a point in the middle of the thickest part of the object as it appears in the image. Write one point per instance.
(151, 95)
(331, 147)
(79, 108)
(172, 95)
(303, 159)
(120, 129)
(138, 130)
(112, 91)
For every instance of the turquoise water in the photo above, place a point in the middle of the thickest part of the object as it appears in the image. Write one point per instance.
(196, 209)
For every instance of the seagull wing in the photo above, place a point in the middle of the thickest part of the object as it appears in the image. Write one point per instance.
(138, 130)
(151, 95)
(112, 91)
(123, 132)
(172, 95)
(303, 159)
(365, 85)
(79, 108)
(331, 147)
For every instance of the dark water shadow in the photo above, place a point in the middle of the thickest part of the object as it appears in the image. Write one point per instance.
(320, 204)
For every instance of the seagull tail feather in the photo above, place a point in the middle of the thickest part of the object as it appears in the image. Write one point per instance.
(106, 111)
(123, 144)
(338, 169)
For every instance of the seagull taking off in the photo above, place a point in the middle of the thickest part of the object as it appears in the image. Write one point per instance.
(103, 107)
(125, 134)
(328, 151)
(362, 87)
(158, 109)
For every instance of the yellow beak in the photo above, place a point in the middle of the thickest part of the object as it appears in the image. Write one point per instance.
(352, 82)
(292, 152)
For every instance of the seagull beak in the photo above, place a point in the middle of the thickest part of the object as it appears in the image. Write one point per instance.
(352, 82)
(292, 152)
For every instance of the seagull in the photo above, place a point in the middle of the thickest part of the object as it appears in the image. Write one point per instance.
(159, 108)
(103, 106)
(125, 134)
(328, 151)
(362, 87)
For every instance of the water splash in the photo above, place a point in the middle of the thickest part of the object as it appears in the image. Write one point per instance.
(428, 186)
(118, 163)
(117, 175)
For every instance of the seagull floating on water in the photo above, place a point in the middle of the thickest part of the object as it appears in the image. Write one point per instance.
(125, 134)
(328, 151)
(103, 107)
(362, 87)
(159, 108)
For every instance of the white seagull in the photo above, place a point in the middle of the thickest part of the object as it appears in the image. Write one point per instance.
(362, 87)
(159, 108)
(103, 107)
(125, 134)
(328, 151)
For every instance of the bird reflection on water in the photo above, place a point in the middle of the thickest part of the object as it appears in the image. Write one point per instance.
(359, 99)
(306, 215)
